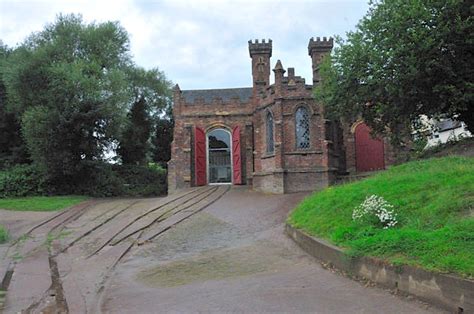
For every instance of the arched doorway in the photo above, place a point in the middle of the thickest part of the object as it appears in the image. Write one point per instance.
(219, 156)
(369, 150)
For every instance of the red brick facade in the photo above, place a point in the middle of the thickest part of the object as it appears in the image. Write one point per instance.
(329, 150)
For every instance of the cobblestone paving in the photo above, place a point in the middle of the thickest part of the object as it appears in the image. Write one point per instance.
(234, 257)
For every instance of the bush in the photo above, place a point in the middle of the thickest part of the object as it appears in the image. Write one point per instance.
(21, 180)
(142, 181)
(101, 179)
(96, 179)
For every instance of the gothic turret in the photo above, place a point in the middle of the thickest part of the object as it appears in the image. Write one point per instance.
(317, 49)
(260, 52)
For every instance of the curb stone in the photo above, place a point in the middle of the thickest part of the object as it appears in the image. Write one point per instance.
(450, 292)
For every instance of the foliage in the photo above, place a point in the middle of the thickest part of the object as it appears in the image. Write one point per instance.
(40, 203)
(151, 95)
(419, 145)
(102, 180)
(434, 200)
(68, 85)
(162, 140)
(376, 211)
(22, 180)
(71, 86)
(134, 144)
(142, 181)
(130, 180)
(406, 58)
(3, 234)
(12, 147)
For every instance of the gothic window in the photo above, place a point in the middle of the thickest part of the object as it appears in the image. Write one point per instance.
(269, 133)
(302, 128)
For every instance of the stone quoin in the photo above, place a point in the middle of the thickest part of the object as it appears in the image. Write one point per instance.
(274, 137)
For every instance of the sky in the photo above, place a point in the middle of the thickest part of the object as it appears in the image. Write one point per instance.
(199, 44)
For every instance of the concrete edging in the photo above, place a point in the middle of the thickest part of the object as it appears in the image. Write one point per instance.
(449, 292)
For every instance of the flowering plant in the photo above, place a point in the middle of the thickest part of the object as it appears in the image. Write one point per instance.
(376, 207)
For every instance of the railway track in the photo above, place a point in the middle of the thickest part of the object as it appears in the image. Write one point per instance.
(73, 254)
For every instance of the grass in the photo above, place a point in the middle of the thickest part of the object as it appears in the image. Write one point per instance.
(40, 203)
(3, 234)
(434, 200)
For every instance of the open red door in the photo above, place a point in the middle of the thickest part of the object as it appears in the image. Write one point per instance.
(200, 156)
(236, 160)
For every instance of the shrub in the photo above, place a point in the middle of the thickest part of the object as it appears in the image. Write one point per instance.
(95, 178)
(21, 180)
(98, 179)
(101, 179)
(142, 180)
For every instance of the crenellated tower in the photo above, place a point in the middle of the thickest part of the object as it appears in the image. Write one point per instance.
(317, 49)
(260, 52)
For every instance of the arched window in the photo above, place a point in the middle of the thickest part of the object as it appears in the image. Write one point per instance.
(269, 133)
(302, 128)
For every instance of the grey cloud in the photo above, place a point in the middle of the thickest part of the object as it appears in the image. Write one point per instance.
(199, 44)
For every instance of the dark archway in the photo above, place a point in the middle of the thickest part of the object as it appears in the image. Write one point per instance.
(219, 151)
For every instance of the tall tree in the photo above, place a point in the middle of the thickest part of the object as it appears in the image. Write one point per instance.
(69, 86)
(134, 144)
(406, 58)
(12, 146)
(162, 140)
(150, 92)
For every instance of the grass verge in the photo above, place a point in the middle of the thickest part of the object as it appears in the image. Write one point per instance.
(40, 203)
(434, 201)
(3, 234)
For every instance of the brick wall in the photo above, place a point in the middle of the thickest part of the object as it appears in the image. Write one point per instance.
(287, 169)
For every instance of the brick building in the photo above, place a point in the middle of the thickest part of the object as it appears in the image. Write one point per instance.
(274, 137)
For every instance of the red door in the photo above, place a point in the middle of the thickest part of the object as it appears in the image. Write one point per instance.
(369, 150)
(200, 156)
(236, 160)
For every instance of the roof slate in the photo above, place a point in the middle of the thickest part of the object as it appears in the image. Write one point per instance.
(447, 124)
(243, 93)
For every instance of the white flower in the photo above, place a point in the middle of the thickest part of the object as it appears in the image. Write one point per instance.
(379, 207)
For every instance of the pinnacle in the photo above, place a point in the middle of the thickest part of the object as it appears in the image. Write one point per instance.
(279, 66)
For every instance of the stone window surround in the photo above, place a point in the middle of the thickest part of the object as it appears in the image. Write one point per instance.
(309, 114)
(269, 141)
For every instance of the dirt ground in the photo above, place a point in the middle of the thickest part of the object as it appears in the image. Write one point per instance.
(209, 249)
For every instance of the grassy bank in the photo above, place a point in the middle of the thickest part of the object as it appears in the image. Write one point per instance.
(434, 202)
(3, 234)
(40, 203)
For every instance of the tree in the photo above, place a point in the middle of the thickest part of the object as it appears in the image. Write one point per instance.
(68, 85)
(134, 144)
(12, 146)
(406, 58)
(150, 92)
(162, 140)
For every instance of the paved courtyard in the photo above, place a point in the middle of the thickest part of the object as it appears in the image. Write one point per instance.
(209, 249)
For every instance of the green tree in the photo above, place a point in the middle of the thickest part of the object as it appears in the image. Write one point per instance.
(69, 86)
(162, 140)
(150, 92)
(406, 58)
(134, 145)
(12, 147)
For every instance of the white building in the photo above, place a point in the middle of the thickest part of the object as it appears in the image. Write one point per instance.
(446, 130)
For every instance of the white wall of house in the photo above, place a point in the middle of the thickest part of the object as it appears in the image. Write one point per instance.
(442, 136)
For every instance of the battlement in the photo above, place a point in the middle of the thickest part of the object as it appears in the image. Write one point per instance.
(260, 47)
(320, 45)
